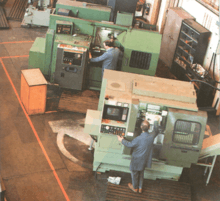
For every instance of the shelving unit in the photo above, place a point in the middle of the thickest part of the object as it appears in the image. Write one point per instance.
(191, 49)
(175, 16)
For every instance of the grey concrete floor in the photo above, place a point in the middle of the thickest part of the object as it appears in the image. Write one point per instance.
(24, 168)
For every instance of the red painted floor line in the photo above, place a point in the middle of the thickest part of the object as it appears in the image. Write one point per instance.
(35, 133)
(16, 42)
(14, 56)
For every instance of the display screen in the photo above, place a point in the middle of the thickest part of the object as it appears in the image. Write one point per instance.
(72, 58)
(186, 132)
(113, 112)
(116, 113)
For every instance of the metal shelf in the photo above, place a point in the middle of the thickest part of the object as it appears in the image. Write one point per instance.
(187, 44)
(189, 36)
(185, 51)
(180, 65)
(184, 59)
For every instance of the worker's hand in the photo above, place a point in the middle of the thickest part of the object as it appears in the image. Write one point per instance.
(120, 138)
(90, 55)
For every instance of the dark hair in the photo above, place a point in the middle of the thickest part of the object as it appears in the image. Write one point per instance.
(145, 125)
(109, 43)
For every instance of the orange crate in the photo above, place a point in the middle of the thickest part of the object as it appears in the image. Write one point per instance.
(33, 91)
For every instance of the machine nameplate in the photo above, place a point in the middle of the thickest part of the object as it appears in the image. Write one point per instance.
(112, 102)
(130, 134)
(164, 113)
(153, 107)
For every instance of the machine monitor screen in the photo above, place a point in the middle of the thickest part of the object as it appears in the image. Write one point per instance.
(116, 113)
(72, 58)
(186, 132)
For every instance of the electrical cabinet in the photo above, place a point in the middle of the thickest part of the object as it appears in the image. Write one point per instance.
(175, 16)
(37, 55)
(128, 6)
(191, 47)
(70, 66)
(124, 19)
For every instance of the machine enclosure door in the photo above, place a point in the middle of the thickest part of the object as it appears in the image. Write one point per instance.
(69, 75)
(182, 151)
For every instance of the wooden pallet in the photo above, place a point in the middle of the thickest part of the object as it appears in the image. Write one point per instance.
(79, 101)
(3, 21)
(18, 9)
(158, 190)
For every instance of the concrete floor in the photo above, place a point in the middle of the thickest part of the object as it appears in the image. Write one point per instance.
(36, 169)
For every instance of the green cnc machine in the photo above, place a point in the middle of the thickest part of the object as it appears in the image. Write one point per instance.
(126, 100)
(76, 25)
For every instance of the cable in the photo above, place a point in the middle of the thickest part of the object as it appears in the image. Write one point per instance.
(214, 67)
(97, 170)
(214, 71)
(206, 83)
(211, 62)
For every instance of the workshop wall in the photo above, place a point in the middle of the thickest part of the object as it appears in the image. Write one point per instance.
(162, 15)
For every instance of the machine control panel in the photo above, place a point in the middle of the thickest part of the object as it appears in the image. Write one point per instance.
(113, 130)
(64, 29)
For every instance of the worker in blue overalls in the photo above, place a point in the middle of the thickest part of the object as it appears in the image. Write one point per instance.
(141, 155)
(109, 58)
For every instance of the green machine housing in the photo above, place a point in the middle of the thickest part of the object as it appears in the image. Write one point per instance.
(141, 51)
(126, 100)
(88, 27)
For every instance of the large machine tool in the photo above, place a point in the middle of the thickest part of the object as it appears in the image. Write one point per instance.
(37, 13)
(126, 100)
(76, 28)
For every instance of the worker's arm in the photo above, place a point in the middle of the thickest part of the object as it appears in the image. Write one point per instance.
(156, 128)
(100, 58)
(133, 143)
(120, 138)
(90, 55)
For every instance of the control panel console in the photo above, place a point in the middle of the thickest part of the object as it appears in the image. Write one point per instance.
(113, 130)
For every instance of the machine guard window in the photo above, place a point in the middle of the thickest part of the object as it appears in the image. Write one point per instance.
(72, 58)
(140, 60)
(186, 132)
(116, 113)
